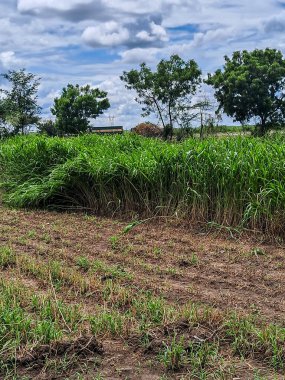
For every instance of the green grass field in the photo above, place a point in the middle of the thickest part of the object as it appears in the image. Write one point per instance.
(236, 181)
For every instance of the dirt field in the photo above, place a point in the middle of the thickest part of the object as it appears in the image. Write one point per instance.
(149, 280)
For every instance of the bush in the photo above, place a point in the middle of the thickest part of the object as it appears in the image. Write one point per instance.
(47, 127)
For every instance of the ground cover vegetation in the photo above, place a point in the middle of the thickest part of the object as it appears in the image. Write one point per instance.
(82, 299)
(234, 181)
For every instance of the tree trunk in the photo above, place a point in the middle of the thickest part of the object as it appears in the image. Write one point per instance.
(170, 125)
(159, 112)
(262, 128)
(202, 126)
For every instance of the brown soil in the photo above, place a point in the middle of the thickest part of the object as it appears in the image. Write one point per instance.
(174, 261)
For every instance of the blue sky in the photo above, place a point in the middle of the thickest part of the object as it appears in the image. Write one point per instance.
(94, 41)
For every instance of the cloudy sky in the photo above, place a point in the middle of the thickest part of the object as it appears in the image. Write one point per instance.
(94, 41)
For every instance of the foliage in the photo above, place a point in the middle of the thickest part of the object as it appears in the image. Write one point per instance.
(47, 127)
(76, 106)
(251, 85)
(232, 181)
(183, 133)
(165, 91)
(18, 106)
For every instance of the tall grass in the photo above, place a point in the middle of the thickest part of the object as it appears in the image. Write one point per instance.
(231, 181)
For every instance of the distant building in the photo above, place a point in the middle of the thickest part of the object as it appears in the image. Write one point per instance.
(113, 129)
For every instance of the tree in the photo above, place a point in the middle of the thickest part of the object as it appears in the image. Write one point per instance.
(76, 106)
(18, 106)
(165, 91)
(47, 127)
(251, 85)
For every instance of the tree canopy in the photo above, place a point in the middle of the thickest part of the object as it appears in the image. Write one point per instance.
(76, 106)
(251, 85)
(18, 105)
(165, 91)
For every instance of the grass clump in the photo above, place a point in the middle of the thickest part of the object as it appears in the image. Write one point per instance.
(109, 322)
(252, 339)
(7, 257)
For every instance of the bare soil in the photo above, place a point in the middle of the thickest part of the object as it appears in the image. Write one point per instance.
(175, 261)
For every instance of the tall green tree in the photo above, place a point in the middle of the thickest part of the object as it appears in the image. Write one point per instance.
(76, 106)
(165, 91)
(19, 104)
(251, 85)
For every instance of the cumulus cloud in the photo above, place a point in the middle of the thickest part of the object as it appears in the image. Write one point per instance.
(156, 33)
(9, 60)
(138, 55)
(106, 34)
(142, 33)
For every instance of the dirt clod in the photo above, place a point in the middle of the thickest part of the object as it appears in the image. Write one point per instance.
(83, 346)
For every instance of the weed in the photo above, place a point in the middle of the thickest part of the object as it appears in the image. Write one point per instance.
(83, 263)
(31, 234)
(46, 238)
(110, 271)
(107, 322)
(194, 259)
(157, 251)
(114, 240)
(150, 310)
(7, 257)
(257, 252)
(173, 355)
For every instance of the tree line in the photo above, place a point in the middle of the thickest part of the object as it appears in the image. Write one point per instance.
(250, 86)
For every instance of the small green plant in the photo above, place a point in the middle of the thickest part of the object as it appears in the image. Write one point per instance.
(114, 240)
(47, 331)
(7, 257)
(200, 356)
(46, 238)
(240, 330)
(194, 259)
(257, 252)
(149, 309)
(99, 376)
(56, 272)
(83, 263)
(157, 251)
(173, 356)
(110, 322)
(110, 271)
(31, 234)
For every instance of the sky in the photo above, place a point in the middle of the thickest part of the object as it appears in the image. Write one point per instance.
(94, 41)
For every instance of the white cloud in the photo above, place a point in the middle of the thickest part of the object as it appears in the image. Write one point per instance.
(107, 34)
(157, 33)
(139, 55)
(8, 59)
